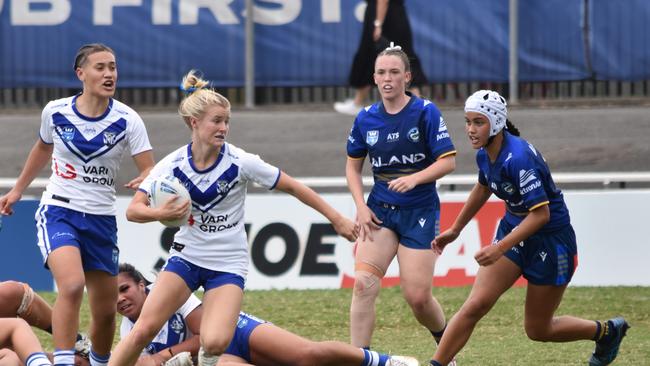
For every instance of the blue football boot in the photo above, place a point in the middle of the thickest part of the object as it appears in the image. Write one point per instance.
(606, 352)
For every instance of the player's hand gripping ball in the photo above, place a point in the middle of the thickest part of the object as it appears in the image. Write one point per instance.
(164, 188)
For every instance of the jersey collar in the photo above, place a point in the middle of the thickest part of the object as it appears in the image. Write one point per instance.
(91, 119)
(384, 114)
(210, 168)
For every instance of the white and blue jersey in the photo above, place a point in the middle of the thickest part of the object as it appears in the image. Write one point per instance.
(521, 178)
(214, 237)
(87, 153)
(398, 145)
(173, 332)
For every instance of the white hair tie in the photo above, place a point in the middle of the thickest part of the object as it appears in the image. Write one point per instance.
(393, 47)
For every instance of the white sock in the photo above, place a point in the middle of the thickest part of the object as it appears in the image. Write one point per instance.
(38, 359)
(98, 360)
(207, 359)
(64, 357)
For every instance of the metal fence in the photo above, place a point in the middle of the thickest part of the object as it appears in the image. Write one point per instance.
(614, 91)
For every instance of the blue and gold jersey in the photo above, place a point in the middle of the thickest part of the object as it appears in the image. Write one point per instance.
(398, 145)
(521, 178)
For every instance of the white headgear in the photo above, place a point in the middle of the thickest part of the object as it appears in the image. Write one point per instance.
(490, 104)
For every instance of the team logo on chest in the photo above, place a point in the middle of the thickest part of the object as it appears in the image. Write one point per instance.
(508, 188)
(109, 138)
(372, 137)
(222, 186)
(205, 198)
(176, 324)
(66, 133)
(414, 134)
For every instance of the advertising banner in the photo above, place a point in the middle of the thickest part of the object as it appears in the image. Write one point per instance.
(313, 42)
(294, 247)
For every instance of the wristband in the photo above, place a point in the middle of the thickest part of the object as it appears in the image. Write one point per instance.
(377, 23)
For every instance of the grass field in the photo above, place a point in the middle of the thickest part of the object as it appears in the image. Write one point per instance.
(499, 338)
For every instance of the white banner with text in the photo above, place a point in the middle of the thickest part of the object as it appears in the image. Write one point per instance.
(292, 246)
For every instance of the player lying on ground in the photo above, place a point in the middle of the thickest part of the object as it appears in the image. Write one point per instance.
(255, 342)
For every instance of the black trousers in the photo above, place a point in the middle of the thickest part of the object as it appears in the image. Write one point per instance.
(396, 28)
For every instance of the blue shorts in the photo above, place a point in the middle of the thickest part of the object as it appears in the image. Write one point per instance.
(240, 346)
(548, 258)
(195, 276)
(94, 235)
(415, 227)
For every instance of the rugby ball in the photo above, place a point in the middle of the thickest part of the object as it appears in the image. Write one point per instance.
(164, 188)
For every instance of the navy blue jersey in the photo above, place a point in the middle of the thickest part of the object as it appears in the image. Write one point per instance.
(521, 178)
(398, 145)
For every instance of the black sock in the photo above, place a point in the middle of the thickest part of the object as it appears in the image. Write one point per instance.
(605, 331)
(434, 363)
(599, 328)
(609, 333)
(437, 336)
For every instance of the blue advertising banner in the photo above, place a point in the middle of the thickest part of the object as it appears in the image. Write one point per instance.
(620, 39)
(551, 42)
(312, 42)
(21, 259)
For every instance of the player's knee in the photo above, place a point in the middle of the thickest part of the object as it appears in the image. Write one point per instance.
(311, 354)
(9, 358)
(214, 344)
(72, 290)
(13, 325)
(419, 301)
(12, 295)
(366, 285)
(537, 333)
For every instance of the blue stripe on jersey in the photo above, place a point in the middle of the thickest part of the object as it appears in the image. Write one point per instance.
(84, 149)
(175, 330)
(215, 193)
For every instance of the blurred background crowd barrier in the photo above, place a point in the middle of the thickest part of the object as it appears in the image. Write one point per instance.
(300, 51)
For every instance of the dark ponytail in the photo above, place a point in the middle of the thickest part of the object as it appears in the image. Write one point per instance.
(133, 273)
(511, 128)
